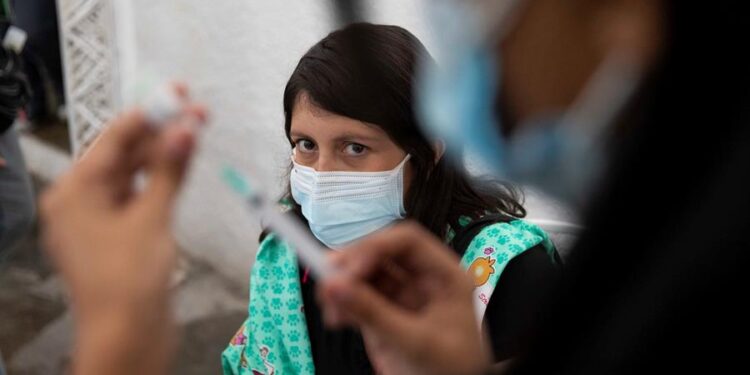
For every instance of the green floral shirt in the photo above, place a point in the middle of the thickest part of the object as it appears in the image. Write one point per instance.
(274, 339)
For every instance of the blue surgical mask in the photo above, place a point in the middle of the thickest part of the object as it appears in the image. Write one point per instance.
(562, 153)
(342, 207)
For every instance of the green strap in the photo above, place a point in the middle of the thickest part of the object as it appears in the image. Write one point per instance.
(490, 251)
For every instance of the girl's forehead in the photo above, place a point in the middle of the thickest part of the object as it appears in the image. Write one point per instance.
(311, 120)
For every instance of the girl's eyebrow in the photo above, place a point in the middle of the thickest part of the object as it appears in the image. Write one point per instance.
(296, 134)
(347, 136)
(355, 136)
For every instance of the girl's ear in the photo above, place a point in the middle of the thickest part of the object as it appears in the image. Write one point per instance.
(439, 147)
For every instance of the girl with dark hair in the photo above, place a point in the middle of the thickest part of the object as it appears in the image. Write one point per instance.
(360, 163)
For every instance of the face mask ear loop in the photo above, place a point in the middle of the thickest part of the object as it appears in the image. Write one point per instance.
(399, 173)
(400, 166)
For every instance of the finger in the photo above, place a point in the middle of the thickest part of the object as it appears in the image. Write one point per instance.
(166, 170)
(111, 151)
(197, 111)
(364, 307)
(181, 89)
(390, 280)
(190, 109)
(193, 116)
(406, 245)
(104, 173)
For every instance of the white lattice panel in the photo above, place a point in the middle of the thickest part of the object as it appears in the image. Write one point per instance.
(89, 57)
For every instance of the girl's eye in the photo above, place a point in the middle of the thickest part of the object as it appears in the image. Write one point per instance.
(355, 149)
(305, 145)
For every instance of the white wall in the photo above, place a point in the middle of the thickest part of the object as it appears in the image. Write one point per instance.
(236, 55)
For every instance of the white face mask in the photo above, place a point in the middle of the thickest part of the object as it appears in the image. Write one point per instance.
(342, 207)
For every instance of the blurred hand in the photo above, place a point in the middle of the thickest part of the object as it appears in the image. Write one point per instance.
(405, 290)
(112, 244)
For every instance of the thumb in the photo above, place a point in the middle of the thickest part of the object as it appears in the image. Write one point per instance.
(166, 170)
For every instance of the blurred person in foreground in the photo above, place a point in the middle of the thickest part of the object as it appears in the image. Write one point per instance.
(637, 111)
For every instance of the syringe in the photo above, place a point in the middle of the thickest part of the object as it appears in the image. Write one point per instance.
(310, 251)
